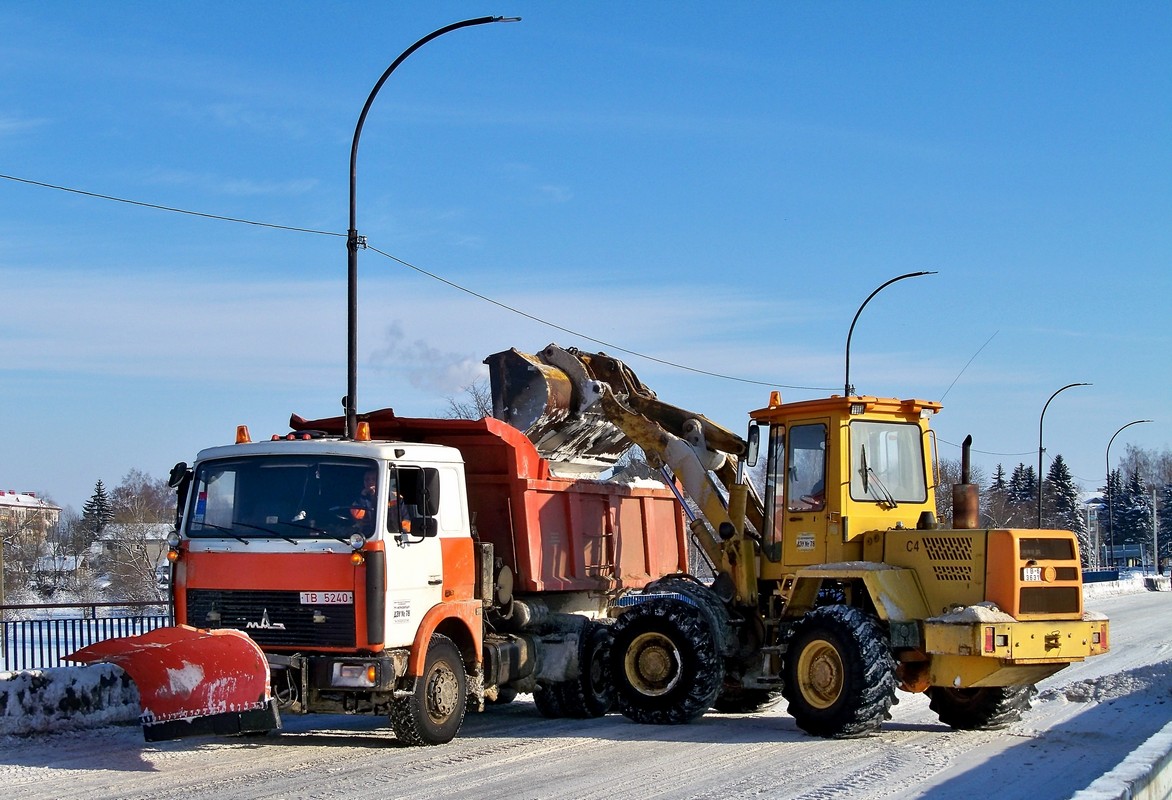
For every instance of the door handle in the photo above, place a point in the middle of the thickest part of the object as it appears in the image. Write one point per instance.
(434, 581)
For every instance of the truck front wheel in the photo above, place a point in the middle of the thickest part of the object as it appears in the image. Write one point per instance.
(664, 662)
(839, 673)
(986, 708)
(433, 713)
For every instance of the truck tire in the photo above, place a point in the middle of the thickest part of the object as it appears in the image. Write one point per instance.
(739, 700)
(839, 673)
(987, 708)
(591, 694)
(433, 713)
(548, 699)
(665, 663)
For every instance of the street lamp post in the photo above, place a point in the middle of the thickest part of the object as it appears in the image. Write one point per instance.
(1110, 498)
(1041, 419)
(354, 241)
(849, 390)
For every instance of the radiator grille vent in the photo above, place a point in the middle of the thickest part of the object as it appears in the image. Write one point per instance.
(949, 548)
(273, 618)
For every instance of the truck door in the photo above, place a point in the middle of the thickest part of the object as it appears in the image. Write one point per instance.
(800, 492)
(414, 556)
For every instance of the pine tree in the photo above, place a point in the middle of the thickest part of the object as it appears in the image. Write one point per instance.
(1063, 509)
(1133, 516)
(1164, 523)
(1109, 515)
(998, 483)
(97, 512)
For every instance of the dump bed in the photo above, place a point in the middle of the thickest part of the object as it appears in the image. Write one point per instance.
(556, 534)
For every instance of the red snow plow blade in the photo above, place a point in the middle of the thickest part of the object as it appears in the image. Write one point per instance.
(193, 682)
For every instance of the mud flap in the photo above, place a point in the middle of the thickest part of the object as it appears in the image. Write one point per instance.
(193, 682)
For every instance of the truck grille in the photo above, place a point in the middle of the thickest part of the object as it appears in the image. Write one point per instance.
(272, 618)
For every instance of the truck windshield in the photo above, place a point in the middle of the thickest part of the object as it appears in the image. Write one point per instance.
(284, 497)
(887, 463)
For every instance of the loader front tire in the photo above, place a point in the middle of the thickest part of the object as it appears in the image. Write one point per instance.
(839, 673)
(665, 662)
(433, 713)
(987, 708)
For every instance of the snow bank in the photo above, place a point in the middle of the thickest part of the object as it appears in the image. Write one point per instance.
(1146, 774)
(38, 701)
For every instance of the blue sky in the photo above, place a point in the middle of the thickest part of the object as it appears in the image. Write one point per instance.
(715, 185)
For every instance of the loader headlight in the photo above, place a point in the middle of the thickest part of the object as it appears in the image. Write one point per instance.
(357, 540)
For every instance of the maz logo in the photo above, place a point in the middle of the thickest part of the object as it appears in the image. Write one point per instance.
(264, 623)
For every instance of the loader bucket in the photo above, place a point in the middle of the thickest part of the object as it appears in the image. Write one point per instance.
(193, 682)
(555, 410)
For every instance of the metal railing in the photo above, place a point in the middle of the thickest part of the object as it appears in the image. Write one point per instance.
(40, 636)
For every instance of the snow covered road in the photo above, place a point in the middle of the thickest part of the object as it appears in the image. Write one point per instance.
(1085, 720)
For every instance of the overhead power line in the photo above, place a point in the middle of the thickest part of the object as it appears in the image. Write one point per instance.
(172, 209)
(420, 270)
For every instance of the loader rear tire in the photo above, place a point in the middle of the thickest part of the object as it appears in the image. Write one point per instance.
(987, 708)
(433, 713)
(665, 662)
(839, 673)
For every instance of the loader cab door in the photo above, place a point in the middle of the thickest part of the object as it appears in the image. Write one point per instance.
(414, 560)
(796, 490)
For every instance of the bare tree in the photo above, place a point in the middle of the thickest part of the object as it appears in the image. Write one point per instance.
(134, 542)
(473, 402)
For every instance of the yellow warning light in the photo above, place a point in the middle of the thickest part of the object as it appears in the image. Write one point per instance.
(363, 433)
(774, 399)
(172, 556)
(356, 558)
(372, 674)
(242, 436)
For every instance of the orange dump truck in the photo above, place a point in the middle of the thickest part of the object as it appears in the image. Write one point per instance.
(423, 568)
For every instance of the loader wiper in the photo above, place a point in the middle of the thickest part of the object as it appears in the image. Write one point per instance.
(867, 473)
(888, 497)
(263, 529)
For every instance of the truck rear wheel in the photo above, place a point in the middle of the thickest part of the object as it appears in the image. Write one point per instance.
(987, 708)
(839, 673)
(591, 694)
(433, 713)
(665, 663)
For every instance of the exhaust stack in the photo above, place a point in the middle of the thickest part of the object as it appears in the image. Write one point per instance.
(966, 496)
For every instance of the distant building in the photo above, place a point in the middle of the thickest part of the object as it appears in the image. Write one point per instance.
(24, 511)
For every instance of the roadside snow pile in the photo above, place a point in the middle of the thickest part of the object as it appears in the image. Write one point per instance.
(1155, 680)
(1130, 582)
(69, 697)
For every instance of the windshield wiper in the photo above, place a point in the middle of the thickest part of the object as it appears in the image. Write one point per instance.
(228, 531)
(866, 472)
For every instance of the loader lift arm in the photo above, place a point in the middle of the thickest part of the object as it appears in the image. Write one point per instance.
(584, 410)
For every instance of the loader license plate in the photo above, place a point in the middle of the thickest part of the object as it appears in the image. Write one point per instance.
(1031, 574)
(327, 598)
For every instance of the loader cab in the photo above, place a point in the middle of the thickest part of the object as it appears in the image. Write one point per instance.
(839, 467)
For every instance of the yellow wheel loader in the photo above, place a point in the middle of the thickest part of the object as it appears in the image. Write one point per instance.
(835, 585)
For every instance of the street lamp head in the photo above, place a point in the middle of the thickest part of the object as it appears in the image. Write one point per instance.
(506, 19)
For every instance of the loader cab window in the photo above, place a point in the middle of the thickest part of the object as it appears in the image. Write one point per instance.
(806, 468)
(887, 463)
(283, 497)
(775, 486)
